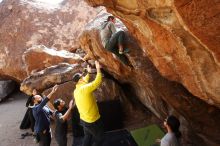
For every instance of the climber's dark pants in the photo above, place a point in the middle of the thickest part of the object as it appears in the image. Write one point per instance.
(115, 40)
(93, 133)
(112, 45)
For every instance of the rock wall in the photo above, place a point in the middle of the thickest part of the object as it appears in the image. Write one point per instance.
(142, 81)
(40, 57)
(180, 37)
(48, 77)
(174, 58)
(25, 23)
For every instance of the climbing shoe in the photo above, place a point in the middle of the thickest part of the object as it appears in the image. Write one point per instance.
(126, 50)
(120, 52)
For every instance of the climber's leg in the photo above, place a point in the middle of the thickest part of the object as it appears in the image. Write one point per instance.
(116, 43)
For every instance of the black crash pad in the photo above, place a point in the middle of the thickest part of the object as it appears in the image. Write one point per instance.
(119, 138)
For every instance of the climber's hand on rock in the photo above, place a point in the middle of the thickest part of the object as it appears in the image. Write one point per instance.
(97, 65)
(89, 69)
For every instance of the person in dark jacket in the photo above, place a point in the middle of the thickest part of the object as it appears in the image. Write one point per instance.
(42, 115)
(29, 105)
(62, 114)
(28, 120)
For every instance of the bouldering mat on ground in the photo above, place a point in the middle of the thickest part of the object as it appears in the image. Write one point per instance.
(139, 137)
(119, 138)
(147, 136)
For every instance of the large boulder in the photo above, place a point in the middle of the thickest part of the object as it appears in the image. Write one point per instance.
(40, 57)
(179, 37)
(25, 23)
(50, 76)
(143, 80)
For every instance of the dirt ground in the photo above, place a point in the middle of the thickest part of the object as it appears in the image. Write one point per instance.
(12, 111)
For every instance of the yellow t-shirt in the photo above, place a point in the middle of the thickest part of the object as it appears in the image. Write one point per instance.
(85, 100)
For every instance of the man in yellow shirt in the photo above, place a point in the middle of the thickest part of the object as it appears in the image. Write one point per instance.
(87, 106)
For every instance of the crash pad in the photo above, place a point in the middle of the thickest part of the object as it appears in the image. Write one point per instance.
(147, 136)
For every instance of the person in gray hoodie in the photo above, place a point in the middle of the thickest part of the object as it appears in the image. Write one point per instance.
(111, 40)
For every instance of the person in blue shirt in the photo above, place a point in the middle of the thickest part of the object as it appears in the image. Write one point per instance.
(42, 115)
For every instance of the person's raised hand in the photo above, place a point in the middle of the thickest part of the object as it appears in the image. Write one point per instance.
(71, 104)
(97, 65)
(54, 88)
(49, 96)
(89, 69)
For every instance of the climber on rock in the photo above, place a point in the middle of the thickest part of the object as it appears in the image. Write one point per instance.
(111, 40)
(88, 108)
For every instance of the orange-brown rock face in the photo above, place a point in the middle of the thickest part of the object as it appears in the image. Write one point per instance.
(159, 49)
(26, 23)
(48, 77)
(40, 57)
(180, 37)
(202, 19)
